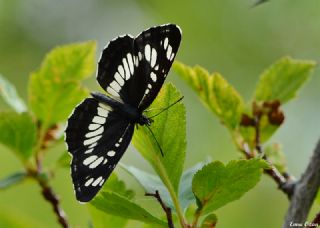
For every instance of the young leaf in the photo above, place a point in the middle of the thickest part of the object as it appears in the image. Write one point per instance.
(210, 221)
(169, 129)
(12, 180)
(282, 80)
(116, 199)
(150, 183)
(115, 204)
(215, 185)
(18, 133)
(186, 196)
(215, 92)
(55, 88)
(10, 95)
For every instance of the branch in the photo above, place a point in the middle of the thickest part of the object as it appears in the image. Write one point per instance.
(166, 209)
(50, 196)
(305, 191)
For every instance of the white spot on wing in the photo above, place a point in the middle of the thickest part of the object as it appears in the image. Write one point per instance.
(153, 76)
(169, 51)
(101, 182)
(153, 57)
(165, 44)
(99, 120)
(92, 145)
(111, 153)
(117, 145)
(97, 181)
(94, 133)
(119, 79)
(96, 163)
(126, 68)
(105, 161)
(120, 140)
(121, 71)
(147, 52)
(112, 91)
(115, 86)
(88, 151)
(149, 86)
(157, 67)
(140, 56)
(89, 160)
(91, 140)
(172, 56)
(88, 182)
(93, 127)
(102, 112)
(147, 91)
(130, 61)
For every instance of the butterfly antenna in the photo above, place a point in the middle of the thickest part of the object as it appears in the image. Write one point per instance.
(167, 107)
(155, 139)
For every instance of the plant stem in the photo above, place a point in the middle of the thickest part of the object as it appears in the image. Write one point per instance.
(305, 191)
(172, 193)
(166, 209)
(50, 196)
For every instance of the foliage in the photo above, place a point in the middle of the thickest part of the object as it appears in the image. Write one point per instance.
(205, 187)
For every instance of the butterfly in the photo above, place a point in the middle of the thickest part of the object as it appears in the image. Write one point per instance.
(132, 71)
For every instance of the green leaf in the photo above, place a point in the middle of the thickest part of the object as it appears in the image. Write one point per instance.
(169, 128)
(215, 92)
(11, 180)
(115, 185)
(210, 221)
(115, 199)
(186, 196)
(18, 133)
(151, 183)
(64, 160)
(55, 88)
(282, 80)
(10, 95)
(215, 184)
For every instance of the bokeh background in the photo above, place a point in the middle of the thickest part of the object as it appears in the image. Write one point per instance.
(226, 36)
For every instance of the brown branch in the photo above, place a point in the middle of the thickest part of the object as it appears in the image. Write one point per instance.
(51, 197)
(305, 192)
(166, 209)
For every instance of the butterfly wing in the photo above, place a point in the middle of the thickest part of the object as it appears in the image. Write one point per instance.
(134, 69)
(96, 137)
(158, 47)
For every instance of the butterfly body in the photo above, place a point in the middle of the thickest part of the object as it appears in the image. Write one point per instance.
(129, 112)
(132, 71)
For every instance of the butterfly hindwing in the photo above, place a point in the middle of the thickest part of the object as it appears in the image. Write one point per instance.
(97, 137)
(134, 69)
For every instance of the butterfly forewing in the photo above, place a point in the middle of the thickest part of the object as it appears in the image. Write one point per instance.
(134, 69)
(158, 47)
(97, 138)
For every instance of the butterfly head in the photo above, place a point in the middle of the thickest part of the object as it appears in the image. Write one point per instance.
(143, 120)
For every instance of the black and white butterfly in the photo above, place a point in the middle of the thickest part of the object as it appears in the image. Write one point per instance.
(132, 72)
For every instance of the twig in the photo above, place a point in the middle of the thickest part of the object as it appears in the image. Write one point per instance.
(305, 191)
(50, 196)
(166, 209)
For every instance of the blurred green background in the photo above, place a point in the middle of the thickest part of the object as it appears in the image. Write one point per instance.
(225, 36)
